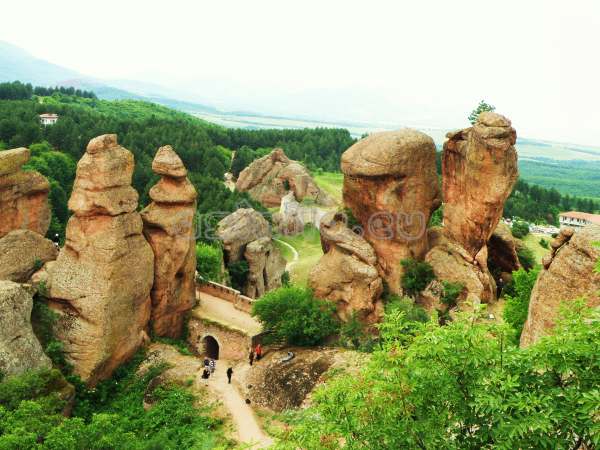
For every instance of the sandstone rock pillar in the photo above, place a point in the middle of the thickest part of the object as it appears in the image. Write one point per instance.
(100, 283)
(169, 228)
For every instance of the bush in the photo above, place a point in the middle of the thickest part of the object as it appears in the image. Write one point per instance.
(293, 314)
(517, 305)
(554, 235)
(544, 243)
(238, 272)
(412, 314)
(286, 185)
(417, 276)
(526, 258)
(437, 217)
(38, 264)
(352, 330)
(520, 229)
(451, 293)
(208, 262)
(286, 279)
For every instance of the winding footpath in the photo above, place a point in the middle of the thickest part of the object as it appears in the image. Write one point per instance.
(289, 265)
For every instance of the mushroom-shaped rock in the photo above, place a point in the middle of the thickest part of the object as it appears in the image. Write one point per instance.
(19, 348)
(267, 265)
(20, 251)
(169, 228)
(479, 171)
(347, 273)
(570, 274)
(100, 283)
(392, 187)
(23, 195)
(238, 229)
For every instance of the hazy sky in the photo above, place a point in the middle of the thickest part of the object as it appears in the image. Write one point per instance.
(537, 62)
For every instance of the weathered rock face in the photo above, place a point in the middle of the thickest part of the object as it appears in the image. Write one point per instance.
(503, 247)
(479, 166)
(19, 250)
(238, 229)
(267, 265)
(453, 264)
(169, 228)
(568, 273)
(392, 187)
(19, 348)
(290, 225)
(265, 179)
(100, 283)
(347, 274)
(23, 195)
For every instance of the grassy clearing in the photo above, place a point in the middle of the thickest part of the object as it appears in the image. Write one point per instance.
(533, 242)
(331, 183)
(308, 246)
(285, 251)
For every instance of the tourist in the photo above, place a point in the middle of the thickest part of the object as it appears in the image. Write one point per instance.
(258, 352)
(251, 356)
(205, 375)
(290, 356)
(229, 373)
(206, 363)
(56, 241)
(499, 287)
(213, 364)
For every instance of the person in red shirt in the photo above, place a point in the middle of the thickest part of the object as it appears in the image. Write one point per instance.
(258, 351)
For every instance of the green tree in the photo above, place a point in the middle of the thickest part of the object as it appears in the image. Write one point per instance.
(238, 271)
(208, 262)
(417, 275)
(517, 306)
(482, 107)
(292, 313)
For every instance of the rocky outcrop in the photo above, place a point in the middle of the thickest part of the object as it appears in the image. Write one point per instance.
(19, 348)
(479, 171)
(392, 187)
(273, 176)
(238, 229)
(169, 228)
(503, 248)
(567, 273)
(451, 263)
(347, 273)
(267, 265)
(23, 195)
(289, 225)
(100, 283)
(19, 251)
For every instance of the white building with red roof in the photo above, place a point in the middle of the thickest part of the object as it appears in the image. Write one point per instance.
(577, 219)
(48, 119)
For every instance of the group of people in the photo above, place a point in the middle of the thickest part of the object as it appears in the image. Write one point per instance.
(255, 352)
(209, 370)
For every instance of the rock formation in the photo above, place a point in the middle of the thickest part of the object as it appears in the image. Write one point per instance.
(23, 195)
(267, 265)
(503, 248)
(392, 187)
(169, 228)
(100, 284)
(19, 348)
(479, 166)
(238, 229)
(567, 273)
(347, 273)
(273, 176)
(19, 251)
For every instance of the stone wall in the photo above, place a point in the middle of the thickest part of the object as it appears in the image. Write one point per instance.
(233, 344)
(240, 302)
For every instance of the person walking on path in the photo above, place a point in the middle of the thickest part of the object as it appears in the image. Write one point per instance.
(251, 356)
(258, 352)
(205, 375)
(206, 363)
(499, 287)
(229, 373)
(213, 364)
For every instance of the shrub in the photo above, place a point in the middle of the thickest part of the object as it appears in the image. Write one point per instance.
(526, 258)
(352, 330)
(320, 171)
(412, 314)
(38, 264)
(285, 279)
(352, 220)
(437, 217)
(286, 185)
(238, 272)
(451, 293)
(554, 235)
(417, 275)
(517, 305)
(520, 229)
(544, 243)
(208, 262)
(293, 314)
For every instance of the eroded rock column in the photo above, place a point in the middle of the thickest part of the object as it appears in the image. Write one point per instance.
(169, 228)
(100, 283)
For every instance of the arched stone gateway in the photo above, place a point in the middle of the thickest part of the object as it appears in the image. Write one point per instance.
(211, 347)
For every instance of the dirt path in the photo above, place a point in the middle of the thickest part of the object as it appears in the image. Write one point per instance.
(248, 428)
(222, 311)
(291, 263)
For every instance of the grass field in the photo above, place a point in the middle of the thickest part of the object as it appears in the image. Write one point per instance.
(331, 183)
(285, 251)
(308, 246)
(533, 242)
